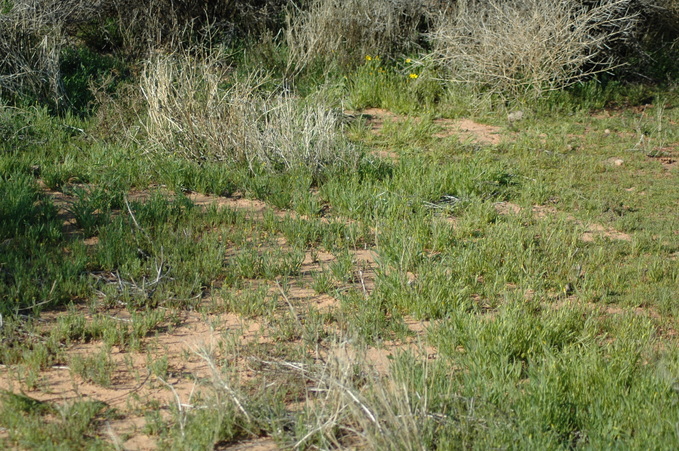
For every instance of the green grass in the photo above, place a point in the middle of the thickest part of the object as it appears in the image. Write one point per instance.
(42, 425)
(549, 330)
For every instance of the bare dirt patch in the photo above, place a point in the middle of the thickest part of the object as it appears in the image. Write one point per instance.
(376, 117)
(386, 154)
(593, 231)
(64, 202)
(470, 131)
(505, 208)
(380, 358)
(133, 385)
(261, 444)
(466, 130)
(254, 208)
(542, 211)
(667, 156)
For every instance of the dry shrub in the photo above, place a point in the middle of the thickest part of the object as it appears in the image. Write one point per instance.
(349, 405)
(198, 111)
(31, 39)
(347, 30)
(34, 32)
(659, 35)
(145, 25)
(661, 18)
(522, 48)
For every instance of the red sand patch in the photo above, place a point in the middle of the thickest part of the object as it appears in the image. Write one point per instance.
(595, 231)
(260, 444)
(505, 208)
(132, 385)
(466, 130)
(252, 207)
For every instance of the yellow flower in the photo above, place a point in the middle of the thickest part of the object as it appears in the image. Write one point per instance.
(368, 58)
(413, 75)
(408, 60)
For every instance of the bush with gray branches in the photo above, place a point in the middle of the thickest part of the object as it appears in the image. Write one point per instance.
(196, 110)
(347, 30)
(523, 48)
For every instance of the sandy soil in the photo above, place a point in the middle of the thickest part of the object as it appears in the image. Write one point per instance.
(133, 387)
(185, 346)
(466, 130)
(592, 232)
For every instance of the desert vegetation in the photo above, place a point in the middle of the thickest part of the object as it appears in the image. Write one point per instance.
(386, 224)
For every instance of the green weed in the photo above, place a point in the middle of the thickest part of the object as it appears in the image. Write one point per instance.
(36, 424)
(97, 369)
(543, 269)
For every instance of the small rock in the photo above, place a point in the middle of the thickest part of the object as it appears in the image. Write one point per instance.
(515, 116)
(614, 161)
(607, 131)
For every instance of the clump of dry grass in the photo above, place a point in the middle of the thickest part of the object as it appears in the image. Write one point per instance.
(31, 39)
(347, 30)
(197, 110)
(33, 34)
(660, 31)
(348, 404)
(527, 47)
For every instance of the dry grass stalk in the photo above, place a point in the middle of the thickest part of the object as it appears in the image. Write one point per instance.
(346, 31)
(32, 35)
(347, 403)
(196, 110)
(31, 39)
(528, 47)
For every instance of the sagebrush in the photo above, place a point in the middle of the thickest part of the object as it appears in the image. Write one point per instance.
(347, 31)
(196, 110)
(523, 48)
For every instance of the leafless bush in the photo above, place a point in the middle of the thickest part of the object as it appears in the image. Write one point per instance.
(32, 36)
(528, 47)
(661, 17)
(34, 32)
(60, 12)
(146, 25)
(660, 29)
(191, 113)
(30, 43)
(347, 402)
(347, 30)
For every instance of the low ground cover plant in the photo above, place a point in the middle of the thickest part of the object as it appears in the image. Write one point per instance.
(315, 240)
